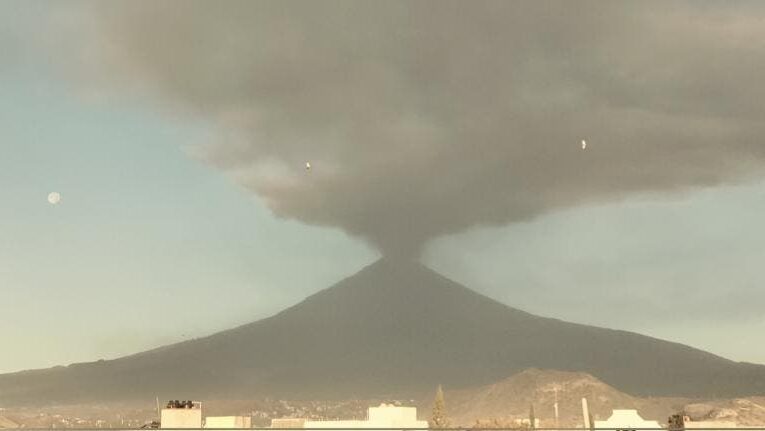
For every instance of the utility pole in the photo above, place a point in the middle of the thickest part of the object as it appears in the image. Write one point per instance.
(586, 415)
(532, 418)
(555, 407)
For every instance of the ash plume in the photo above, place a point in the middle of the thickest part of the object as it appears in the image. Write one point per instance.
(424, 118)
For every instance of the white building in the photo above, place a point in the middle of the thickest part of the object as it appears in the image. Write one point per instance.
(181, 414)
(384, 416)
(228, 422)
(626, 420)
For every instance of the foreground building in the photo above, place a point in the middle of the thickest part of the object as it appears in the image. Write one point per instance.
(228, 422)
(626, 420)
(181, 415)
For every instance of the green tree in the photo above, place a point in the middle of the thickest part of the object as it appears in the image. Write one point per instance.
(438, 418)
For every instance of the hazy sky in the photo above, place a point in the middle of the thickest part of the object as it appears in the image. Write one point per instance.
(174, 135)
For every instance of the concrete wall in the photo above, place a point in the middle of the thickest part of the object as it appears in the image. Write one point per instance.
(386, 413)
(228, 422)
(181, 418)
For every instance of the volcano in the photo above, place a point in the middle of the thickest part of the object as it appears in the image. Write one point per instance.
(396, 328)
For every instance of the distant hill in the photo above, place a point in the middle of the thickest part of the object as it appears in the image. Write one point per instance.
(512, 398)
(395, 328)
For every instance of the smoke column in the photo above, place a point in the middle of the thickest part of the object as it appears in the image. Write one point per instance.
(424, 118)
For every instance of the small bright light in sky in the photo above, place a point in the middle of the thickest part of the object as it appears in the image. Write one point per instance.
(54, 198)
(584, 144)
(307, 166)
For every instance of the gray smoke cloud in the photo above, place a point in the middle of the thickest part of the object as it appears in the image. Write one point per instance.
(424, 118)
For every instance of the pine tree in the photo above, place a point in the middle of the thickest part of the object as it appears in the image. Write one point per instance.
(438, 419)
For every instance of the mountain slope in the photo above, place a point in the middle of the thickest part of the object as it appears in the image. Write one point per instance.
(393, 328)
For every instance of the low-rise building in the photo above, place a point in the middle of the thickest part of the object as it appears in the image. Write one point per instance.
(181, 415)
(626, 420)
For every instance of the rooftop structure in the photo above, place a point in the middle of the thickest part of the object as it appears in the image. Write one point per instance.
(626, 420)
(181, 414)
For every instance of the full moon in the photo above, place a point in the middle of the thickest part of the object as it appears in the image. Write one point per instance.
(54, 198)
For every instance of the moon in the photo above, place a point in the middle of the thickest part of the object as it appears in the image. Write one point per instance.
(54, 198)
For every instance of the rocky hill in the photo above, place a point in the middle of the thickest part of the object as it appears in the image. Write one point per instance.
(511, 399)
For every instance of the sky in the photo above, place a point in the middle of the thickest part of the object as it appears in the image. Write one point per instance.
(436, 133)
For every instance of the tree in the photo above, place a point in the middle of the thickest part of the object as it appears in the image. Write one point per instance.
(438, 418)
